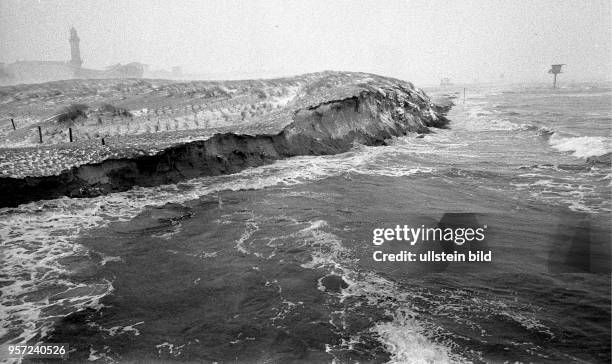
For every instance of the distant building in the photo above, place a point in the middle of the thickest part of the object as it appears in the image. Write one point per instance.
(130, 70)
(176, 73)
(75, 52)
(44, 71)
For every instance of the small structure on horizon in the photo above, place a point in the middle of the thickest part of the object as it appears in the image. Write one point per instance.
(555, 70)
(43, 71)
(75, 52)
(445, 82)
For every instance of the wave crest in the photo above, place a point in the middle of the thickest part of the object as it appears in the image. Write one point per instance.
(581, 147)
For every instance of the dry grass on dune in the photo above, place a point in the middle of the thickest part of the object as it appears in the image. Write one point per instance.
(71, 113)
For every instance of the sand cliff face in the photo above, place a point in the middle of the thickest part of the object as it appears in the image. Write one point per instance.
(367, 115)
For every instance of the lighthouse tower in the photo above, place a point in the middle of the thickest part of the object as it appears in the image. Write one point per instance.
(76, 60)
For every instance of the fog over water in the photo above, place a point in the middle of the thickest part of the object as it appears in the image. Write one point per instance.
(421, 41)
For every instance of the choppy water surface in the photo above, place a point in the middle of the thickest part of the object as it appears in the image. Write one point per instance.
(274, 264)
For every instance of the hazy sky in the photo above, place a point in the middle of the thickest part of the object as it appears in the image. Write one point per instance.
(421, 41)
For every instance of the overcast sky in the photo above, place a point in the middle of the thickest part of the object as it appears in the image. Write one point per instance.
(421, 41)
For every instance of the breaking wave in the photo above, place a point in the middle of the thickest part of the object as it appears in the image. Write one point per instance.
(582, 146)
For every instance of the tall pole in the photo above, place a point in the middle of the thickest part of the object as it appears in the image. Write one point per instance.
(554, 80)
(39, 134)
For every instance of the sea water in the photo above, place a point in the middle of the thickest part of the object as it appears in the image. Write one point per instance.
(274, 264)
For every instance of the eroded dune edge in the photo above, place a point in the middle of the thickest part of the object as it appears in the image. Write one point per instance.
(328, 114)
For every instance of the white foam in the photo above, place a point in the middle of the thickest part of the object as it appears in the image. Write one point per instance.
(251, 228)
(172, 349)
(35, 238)
(327, 247)
(118, 330)
(477, 111)
(95, 355)
(488, 124)
(581, 146)
(406, 344)
(573, 192)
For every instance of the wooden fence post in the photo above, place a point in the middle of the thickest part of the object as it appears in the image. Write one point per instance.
(40, 134)
(13, 122)
(70, 134)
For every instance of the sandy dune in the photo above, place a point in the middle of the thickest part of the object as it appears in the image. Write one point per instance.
(163, 113)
